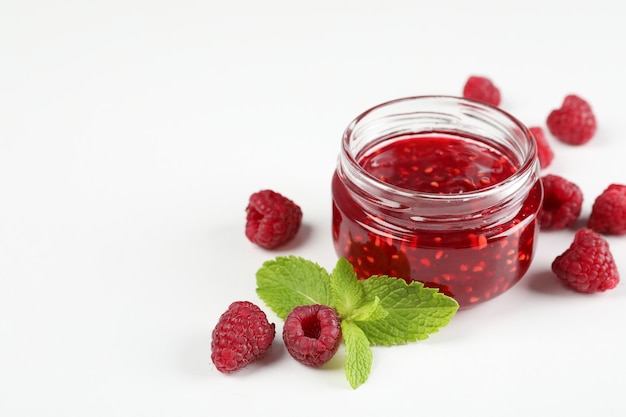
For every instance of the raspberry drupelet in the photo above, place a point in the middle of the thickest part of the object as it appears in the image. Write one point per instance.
(587, 266)
(312, 334)
(544, 151)
(562, 203)
(481, 89)
(574, 122)
(271, 219)
(608, 214)
(241, 336)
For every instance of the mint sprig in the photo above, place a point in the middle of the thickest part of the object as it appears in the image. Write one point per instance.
(288, 282)
(380, 310)
(414, 311)
(347, 294)
(359, 356)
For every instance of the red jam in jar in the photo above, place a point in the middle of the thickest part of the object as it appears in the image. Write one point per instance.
(440, 190)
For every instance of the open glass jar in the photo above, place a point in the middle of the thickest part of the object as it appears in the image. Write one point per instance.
(440, 190)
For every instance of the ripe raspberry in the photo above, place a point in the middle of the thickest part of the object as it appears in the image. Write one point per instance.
(312, 334)
(588, 265)
(242, 335)
(562, 203)
(574, 123)
(272, 219)
(608, 214)
(544, 151)
(481, 89)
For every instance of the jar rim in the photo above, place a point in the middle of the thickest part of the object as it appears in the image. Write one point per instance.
(527, 164)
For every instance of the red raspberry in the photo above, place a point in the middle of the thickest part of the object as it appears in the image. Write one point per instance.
(588, 265)
(241, 336)
(481, 89)
(608, 214)
(312, 334)
(562, 203)
(272, 219)
(574, 123)
(544, 151)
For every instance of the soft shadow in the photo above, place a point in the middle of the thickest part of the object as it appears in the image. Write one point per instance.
(337, 361)
(545, 282)
(195, 357)
(301, 238)
(580, 223)
(276, 353)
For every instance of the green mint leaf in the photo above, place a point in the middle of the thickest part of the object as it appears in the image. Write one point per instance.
(359, 356)
(414, 311)
(347, 293)
(372, 310)
(289, 281)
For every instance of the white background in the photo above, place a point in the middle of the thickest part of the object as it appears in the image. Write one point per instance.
(133, 132)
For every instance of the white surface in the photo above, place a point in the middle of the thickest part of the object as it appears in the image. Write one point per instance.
(133, 132)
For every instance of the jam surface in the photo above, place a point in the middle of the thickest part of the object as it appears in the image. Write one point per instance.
(470, 264)
(437, 164)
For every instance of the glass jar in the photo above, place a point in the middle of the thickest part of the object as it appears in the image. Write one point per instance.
(440, 190)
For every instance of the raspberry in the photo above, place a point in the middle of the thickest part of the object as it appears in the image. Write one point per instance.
(608, 213)
(241, 336)
(272, 219)
(481, 89)
(587, 265)
(312, 334)
(562, 203)
(574, 123)
(544, 151)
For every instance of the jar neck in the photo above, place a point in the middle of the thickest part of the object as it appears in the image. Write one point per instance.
(494, 204)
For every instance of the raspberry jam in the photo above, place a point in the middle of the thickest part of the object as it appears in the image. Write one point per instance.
(440, 190)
